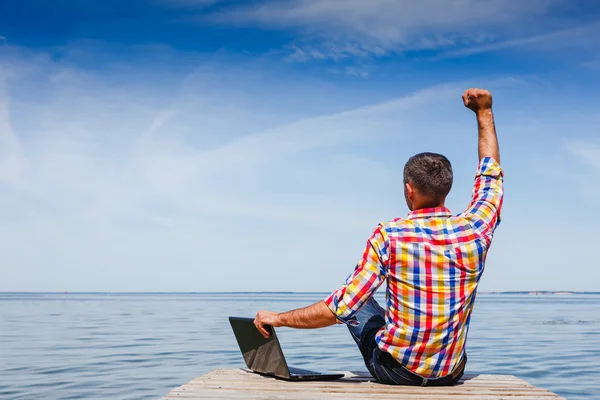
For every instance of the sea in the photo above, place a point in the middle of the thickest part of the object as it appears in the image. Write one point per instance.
(140, 346)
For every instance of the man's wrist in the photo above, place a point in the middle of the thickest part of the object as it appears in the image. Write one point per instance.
(484, 113)
(281, 320)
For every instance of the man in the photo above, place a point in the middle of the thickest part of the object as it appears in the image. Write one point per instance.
(432, 262)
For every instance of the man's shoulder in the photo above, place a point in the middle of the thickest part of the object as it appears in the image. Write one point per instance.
(396, 221)
(394, 226)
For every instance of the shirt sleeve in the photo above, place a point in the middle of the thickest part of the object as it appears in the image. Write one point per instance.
(369, 274)
(488, 194)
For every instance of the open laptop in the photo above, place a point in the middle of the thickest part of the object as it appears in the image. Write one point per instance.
(264, 355)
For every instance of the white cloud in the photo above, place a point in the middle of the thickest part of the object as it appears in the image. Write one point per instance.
(190, 4)
(357, 28)
(588, 153)
(123, 182)
(216, 183)
(571, 37)
(593, 64)
(585, 174)
(11, 162)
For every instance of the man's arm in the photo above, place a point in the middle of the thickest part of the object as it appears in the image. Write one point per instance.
(488, 191)
(317, 315)
(480, 101)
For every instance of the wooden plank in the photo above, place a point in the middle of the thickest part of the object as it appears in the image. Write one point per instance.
(216, 394)
(249, 379)
(379, 390)
(278, 384)
(241, 384)
(365, 394)
(371, 387)
(358, 386)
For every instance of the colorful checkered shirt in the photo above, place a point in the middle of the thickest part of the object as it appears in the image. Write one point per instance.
(432, 262)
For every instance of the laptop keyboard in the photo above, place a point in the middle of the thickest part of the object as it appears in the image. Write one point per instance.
(300, 371)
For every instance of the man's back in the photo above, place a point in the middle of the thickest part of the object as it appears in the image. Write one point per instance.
(432, 262)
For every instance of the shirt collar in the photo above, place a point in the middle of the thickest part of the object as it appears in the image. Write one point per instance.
(437, 212)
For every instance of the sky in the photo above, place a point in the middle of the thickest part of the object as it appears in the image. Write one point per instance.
(216, 145)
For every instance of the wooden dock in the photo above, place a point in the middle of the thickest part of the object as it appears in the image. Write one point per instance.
(241, 384)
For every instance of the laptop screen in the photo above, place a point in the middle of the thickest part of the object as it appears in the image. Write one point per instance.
(262, 355)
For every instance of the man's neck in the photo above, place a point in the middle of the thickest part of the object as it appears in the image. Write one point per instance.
(423, 206)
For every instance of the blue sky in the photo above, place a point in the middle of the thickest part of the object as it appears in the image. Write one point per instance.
(206, 145)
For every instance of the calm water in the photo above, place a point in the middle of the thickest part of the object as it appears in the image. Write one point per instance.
(136, 346)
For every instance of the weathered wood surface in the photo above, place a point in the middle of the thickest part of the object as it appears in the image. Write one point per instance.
(241, 384)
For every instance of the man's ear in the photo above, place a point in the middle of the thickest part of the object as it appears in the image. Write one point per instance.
(409, 195)
(409, 191)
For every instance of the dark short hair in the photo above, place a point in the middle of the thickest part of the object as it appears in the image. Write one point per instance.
(430, 174)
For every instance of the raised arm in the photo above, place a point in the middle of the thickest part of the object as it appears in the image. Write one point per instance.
(488, 192)
(480, 101)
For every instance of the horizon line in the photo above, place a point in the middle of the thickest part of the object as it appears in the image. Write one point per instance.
(275, 292)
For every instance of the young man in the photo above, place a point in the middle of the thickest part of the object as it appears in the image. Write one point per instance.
(432, 262)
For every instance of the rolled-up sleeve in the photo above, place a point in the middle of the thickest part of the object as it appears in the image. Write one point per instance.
(369, 274)
(488, 195)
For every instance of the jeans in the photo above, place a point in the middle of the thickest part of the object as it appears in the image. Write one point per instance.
(382, 365)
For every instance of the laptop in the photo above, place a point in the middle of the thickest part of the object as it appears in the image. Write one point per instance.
(264, 355)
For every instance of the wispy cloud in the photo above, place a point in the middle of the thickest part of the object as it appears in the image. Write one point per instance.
(580, 36)
(578, 165)
(587, 153)
(593, 64)
(11, 161)
(354, 28)
(220, 175)
(189, 3)
(120, 173)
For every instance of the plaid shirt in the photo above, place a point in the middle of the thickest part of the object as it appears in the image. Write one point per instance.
(432, 262)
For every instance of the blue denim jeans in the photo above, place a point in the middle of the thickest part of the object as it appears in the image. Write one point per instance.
(382, 365)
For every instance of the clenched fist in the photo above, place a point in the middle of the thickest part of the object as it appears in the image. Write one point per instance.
(477, 99)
